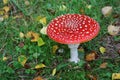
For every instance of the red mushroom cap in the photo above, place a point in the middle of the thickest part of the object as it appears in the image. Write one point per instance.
(72, 29)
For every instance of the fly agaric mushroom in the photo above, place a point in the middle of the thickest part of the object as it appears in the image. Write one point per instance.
(73, 29)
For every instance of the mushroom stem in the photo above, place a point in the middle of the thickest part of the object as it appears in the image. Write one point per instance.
(73, 53)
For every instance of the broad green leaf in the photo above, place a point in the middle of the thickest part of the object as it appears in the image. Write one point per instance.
(40, 42)
(22, 59)
(38, 66)
(53, 71)
(102, 50)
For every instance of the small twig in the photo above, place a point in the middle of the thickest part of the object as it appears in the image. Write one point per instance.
(3, 47)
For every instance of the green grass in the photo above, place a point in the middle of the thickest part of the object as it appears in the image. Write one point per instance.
(9, 40)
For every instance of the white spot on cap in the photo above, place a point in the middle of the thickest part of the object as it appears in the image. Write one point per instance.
(85, 25)
(56, 24)
(87, 32)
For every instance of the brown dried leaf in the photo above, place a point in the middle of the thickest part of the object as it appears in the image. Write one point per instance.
(38, 78)
(91, 56)
(104, 65)
(34, 36)
(87, 66)
(92, 77)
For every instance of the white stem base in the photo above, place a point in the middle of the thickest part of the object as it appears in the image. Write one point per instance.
(73, 53)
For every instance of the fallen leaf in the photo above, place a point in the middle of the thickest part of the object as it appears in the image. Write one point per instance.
(53, 71)
(1, 18)
(91, 56)
(5, 58)
(27, 3)
(5, 16)
(54, 49)
(115, 76)
(6, 9)
(41, 20)
(34, 36)
(102, 50)
(5, 1)
(92, 77)
(21, 34)
(1, 12)
(27, 66)
(29, 34)
(107, 10)
(40, 42)
(104, 65)
(62, 8)
(38, 78)
(43, 30)
(38, 66)
(113, 30)
(22, 59)
(88, 6)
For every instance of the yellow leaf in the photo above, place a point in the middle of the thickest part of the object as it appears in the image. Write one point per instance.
(34, 36)
(62, 8)
(102, 50)
(1, 12)
(5, 16)
(43, 30)
(53, 71)
(40, 42)
(115, 76)
(22, 59)
(5, 58)
(89, 6)
(5, 1)
(38, 78)
(54, 49)
(6, 9)
(29, 34)
(21, 35)
(41, 20)
(38, 66)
